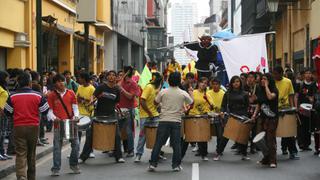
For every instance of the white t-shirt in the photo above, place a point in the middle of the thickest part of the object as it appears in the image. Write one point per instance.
(172, 102)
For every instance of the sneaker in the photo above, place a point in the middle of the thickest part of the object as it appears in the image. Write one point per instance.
(307, 149)
(195, 149)
(44, 141)
(273, 165)
(204, 158)
(294, 157)
(245, 158)
(137, 159)
(68, 156)
(316, 153)
(285, 152)
(151, 168)
(216, 157)
(55, 173)
(177, 169)
(162, 157)
(234, 146)
(75, 169)
(92, 155)
(2, 158)
(39, 143)
(80, 161)
(262, 162)
(131, 154)
(6, 156)
(121, 160)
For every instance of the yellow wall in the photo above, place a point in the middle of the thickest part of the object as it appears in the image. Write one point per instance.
(104, 11)
(315, 19)
(7, 38)
(12, 15)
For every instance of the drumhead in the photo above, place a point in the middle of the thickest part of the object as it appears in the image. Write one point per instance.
(84, 120)
(306, 106)
(259, 137)
(213, 114)
(104, 119)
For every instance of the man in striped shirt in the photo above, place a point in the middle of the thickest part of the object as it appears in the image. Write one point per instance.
(25, 105)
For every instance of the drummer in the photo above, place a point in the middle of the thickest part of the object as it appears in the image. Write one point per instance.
(108, 95)
(148, 111)
(268, 97)
(286, 99)
(306, 94)
(202, 104)
(235, 101)
(217, 94)
(172, 100)
(85, 99)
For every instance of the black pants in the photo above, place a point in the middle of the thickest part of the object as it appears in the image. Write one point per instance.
(43, 122)
(304, 135)
(224, 141)
(203, 148)
(289, 143)
(87, 148)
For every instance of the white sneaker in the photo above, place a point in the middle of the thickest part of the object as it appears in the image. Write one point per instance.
(205, 158)
(92, 155)
(216, 157)
(121, 160)
(195, 149)
(177, 169)
(138, 159)
(245, 158)
(151, 168)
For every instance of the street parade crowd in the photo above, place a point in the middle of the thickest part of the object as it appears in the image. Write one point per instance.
(182, 110)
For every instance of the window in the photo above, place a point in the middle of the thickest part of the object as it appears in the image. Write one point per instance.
(3, 59)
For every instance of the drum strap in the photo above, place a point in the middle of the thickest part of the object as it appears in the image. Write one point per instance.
(63, 105)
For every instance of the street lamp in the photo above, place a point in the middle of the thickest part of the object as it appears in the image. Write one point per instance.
(273, 8)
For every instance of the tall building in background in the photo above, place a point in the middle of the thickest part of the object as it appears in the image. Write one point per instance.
(184, 15)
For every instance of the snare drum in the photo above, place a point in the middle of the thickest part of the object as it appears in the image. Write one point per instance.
(197, 128)
(237, 131)
(84, 123)
(151, 134)
(287, 123)
(124, 116)
(214, 119)
(70, 129)
(104, 133)
(305, 109)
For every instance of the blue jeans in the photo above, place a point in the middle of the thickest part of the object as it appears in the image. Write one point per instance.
(142, 137)
(128, 123)
(57, 145)
(166, 130)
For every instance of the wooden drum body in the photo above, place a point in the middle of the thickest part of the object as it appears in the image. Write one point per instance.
(104, 133)
(151, 134)
(197, 129)
(237, 131)
(287, 125)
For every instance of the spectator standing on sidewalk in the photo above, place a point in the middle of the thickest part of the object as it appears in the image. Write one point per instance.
(25, 105)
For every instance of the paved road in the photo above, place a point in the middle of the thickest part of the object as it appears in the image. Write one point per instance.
(229, 168)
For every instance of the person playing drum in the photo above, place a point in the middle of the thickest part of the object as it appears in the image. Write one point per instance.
(235, 101)
(173, 100)
(286, 99)
(202, 104)
(217, 94)
(148, 111)
(305, 94)
(268, 100)
(63, 105)
(85, 98)
(108, 95)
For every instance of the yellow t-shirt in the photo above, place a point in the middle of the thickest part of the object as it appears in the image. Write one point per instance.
(200, 105)
(3, 97)
(174, 67)
(285, 89)
(86, 93)
(149, 94)
(217, 99)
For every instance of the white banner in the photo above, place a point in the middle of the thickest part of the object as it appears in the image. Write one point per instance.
(244, 54)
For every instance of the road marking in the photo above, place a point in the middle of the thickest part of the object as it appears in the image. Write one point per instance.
(195, 171)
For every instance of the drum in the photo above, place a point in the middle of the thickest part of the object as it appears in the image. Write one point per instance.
(237, 131)
(70, 129)
(259, 140)
(287, 123)
(124, 115)
(197, 128)
(305, 109)
(151, 134)
(84, 123)
(214, 119)
(104, 133)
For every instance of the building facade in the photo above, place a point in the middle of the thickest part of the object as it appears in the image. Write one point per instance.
(63, 40)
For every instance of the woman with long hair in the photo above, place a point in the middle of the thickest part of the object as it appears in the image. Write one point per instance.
(268, 102)
(235, 101)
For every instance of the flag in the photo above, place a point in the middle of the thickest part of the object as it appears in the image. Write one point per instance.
(244, 54)
(145, 77)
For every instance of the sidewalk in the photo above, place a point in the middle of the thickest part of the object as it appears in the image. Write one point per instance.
(7, 167)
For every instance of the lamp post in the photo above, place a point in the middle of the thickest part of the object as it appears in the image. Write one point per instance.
(273, 8)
